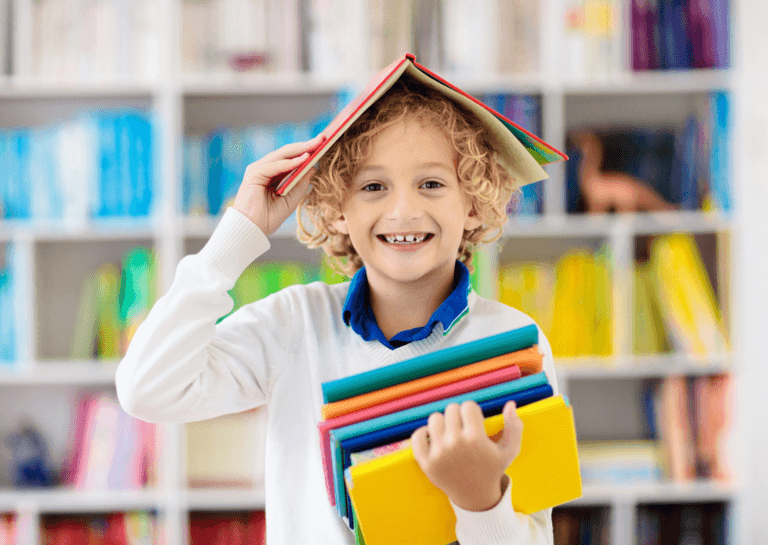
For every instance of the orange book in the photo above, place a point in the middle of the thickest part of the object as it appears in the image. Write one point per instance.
(529, 361)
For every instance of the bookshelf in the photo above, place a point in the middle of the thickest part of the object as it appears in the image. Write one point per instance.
(43, 381)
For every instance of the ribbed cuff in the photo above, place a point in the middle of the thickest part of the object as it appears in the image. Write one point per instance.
(235, 243)
(498, 525)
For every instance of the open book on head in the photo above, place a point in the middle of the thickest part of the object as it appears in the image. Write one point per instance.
(521, 152)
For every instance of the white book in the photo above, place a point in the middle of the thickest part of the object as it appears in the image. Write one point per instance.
(4, 36)
(518, 30)
(77, 149)
(22, 37)
(195, 33)
(284, 35)
(104, 29)
(471, 43)
(574, 40)
(146, 39)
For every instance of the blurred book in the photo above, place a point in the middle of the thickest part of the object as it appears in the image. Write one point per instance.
(8, 309)
(108, 450)
(620, 462)
(237, 460)
(96, 166)
(692, 524)
(131, 528)
(581, 525)
(71, 40)
(593, 38)
(691, 419)
(232, 528)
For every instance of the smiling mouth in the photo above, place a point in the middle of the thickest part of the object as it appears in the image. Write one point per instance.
(405, 240)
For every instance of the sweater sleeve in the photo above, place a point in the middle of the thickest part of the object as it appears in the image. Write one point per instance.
(181, 366)
(502, 525)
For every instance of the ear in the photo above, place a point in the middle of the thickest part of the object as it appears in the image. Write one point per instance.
(341, 225)
(472, 221)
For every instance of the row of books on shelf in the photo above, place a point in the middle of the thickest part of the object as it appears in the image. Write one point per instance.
(688, 166)
(68, 39)
(94, 166)
(111, 450)
(688, 423)
(214, 163)
(227, 529)
(675, 307)
(131, 528)
(74, 40)
(662, 524)
(693, 524)
(107, 450)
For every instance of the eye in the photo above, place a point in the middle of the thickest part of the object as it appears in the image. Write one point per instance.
(374, 186)
(435, 183)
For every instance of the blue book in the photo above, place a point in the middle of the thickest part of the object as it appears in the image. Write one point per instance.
(429, 364)
(126, 181)
(490, 407)
(215, 171)
(684, 184)
(719, 158)
(17, 197)
(7, 306)
(675, 47)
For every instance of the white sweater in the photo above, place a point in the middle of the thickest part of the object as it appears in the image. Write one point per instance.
(182, 367)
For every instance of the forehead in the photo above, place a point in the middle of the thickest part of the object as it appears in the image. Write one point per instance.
(408, 142)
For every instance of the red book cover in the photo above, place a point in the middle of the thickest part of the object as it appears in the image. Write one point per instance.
(522, 151)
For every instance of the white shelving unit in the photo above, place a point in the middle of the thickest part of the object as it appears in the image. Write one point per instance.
(184, 103)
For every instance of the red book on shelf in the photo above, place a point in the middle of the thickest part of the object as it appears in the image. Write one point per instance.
(522, 152)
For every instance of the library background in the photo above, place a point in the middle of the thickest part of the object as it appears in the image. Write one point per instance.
(125, 130)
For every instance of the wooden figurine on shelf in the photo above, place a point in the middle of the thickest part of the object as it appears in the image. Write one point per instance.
(612, 191)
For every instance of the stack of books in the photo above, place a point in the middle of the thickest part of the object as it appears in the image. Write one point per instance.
(369, 417)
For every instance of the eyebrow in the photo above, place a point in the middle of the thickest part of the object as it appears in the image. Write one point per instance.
(382, 168)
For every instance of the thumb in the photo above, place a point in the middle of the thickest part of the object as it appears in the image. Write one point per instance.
(513, 431)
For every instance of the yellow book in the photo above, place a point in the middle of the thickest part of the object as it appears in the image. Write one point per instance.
(395, 503)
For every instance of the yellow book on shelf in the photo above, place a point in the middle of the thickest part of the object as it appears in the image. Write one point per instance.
(395, 503)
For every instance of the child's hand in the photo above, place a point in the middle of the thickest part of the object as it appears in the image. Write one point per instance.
(261, 205)
(459, 458)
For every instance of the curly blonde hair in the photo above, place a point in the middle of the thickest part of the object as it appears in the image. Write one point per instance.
(481, 176)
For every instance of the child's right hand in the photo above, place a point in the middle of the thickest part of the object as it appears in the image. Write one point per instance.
(259, 203)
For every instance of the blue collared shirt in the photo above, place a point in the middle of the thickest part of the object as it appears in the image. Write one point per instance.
(359, 316)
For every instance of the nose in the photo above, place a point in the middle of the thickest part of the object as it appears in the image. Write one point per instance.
(405, 205)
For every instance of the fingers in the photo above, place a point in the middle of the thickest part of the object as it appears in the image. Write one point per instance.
(453, 425)
(420, 444)
(513, 430)
(472, 417)
(263, 173)
(289, 151)
(436, 429)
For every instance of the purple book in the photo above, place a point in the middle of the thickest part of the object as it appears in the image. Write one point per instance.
(645, 34)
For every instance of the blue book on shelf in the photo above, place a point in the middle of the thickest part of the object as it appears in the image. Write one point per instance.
(106, 172)
(684, 184)
(719, 162)
(7, 306)
(675, 47)
(215, 170)
(125, 179)
(17, 197)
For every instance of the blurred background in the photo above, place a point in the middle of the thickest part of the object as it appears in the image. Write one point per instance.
(125, 130)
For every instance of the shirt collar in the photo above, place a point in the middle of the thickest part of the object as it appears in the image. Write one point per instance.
(358, 314)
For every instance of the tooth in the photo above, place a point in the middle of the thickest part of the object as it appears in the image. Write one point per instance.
(400, 238)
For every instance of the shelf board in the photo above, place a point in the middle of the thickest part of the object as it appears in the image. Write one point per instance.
(662, 492)
(79, 501)
(59, 373)
(651, 366)
(603, 225)
(652, 82)
(49, 231)
(236, 84)
(214, 499)
(24, 88)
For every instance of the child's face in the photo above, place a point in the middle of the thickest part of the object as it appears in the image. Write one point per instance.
(408, 186)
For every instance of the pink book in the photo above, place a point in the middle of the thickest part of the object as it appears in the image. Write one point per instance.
(471, 384)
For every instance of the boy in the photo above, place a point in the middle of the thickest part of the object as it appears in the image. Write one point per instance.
(399, 202)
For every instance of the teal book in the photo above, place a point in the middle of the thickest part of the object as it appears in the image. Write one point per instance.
(430, 364)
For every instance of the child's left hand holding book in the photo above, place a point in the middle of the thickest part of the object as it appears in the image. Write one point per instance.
(457, 456)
